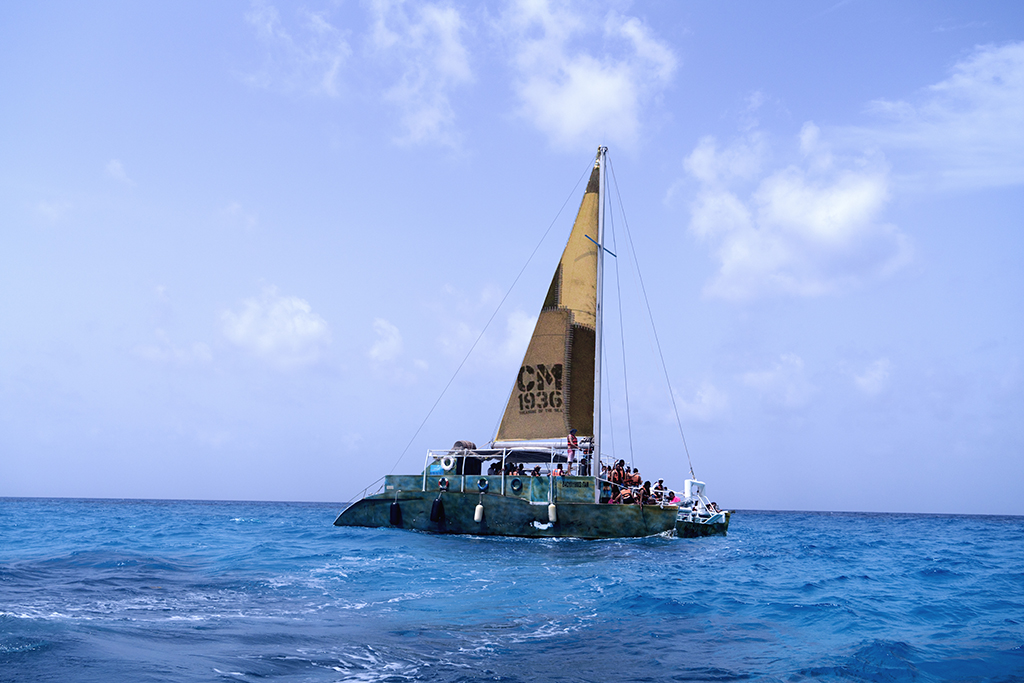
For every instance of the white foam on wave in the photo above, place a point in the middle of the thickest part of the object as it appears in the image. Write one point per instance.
(370, 665)
(36, 614)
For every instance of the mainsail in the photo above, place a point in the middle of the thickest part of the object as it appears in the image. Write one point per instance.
(554, 389)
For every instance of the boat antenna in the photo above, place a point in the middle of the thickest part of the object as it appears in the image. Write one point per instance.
(489, 320)
(650, 315)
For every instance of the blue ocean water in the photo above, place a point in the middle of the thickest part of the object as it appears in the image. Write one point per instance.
(96, 590)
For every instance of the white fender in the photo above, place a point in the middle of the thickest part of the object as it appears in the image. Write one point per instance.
(552, 513)
(478, 515)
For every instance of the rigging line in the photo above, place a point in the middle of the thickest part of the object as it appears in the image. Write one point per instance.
(611, 416)
(622, 344)
(650, 314)
(491, 319)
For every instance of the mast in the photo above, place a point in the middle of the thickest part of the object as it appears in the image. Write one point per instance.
(595, 456)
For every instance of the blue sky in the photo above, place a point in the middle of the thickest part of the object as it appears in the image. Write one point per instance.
(244, 246)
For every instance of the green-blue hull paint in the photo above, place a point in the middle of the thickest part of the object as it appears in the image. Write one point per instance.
(511, 516)
(522, 512)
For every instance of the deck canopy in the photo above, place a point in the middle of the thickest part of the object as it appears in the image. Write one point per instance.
(519, 455)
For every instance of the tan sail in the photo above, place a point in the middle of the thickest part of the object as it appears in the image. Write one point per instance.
(554, 389)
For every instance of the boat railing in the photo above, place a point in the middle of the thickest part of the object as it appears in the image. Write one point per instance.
(446, 459)
(372, 489)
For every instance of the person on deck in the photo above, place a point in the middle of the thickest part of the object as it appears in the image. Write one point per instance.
(625, 497)
(644, 494)
(636, 480)
(559, 472)
(572, 443)
(617, 477)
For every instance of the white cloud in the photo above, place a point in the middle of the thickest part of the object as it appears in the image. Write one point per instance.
(875, 377)
(426, 43)
(165, 351)
(115, 169)
(498, 348)
(708, 403)
(784, 385)
(309, 61)
(52, 211)
(281, 329)
(389, 341)
(235, 214)
(967, 130)
(807, 229)
(573, 96)
(740, 161)
(518, 330)
(815, 226)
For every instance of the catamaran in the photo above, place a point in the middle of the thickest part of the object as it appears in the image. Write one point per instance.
(537, 478)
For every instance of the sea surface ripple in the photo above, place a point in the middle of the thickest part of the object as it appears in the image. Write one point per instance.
(125, 590)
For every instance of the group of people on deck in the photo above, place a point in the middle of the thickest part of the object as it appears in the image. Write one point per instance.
(513, 469)
(620, 484)
(623, 486)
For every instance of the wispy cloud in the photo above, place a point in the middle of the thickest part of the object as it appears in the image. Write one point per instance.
(237, 215)
(53, 211)
(875, 378)
(115, 169)
(388, 356)
(283, 330)
(577, 94)
(308, 58)
(425, 41)
(708, 403)
(166, 351)
(464, 311)
(518, 331)
(807, 229)
(389, 342)
(784, 385)
(965, 131)
(816, 226)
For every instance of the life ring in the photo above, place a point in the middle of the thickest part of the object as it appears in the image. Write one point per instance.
(483, 484)
(517, 485)
(442, 483)
(447, 462)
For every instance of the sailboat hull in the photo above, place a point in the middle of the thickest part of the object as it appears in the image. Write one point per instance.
(508, 516)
